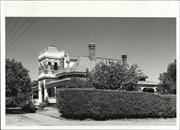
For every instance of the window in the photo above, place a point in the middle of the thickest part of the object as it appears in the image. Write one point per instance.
(49, 65)
(55, 66)
(35, 94)
(51, 92)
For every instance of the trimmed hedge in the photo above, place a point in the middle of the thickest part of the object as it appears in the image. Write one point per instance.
(110, 104)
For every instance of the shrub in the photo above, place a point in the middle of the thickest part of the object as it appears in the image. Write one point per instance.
(25, 103)
(46, 101)
(110, 104)
(11, 102)
(22, 101)
(42, 105)
(28, 107)
(114, 75)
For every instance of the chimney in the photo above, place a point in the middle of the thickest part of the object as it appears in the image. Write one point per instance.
(92, 51)
(124, 59)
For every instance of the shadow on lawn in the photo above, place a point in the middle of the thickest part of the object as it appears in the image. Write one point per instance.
(18, 110)
(108, 118)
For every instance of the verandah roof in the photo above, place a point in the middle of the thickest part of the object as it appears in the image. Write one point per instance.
(148, 83)
(57, 83)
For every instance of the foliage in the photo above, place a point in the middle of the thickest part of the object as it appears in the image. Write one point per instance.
(28, 106)
(99, 104)
(168, 80)
(114, 76)
(11, 102)
(22, 98)
(46, 101)
(21, 101)
(42, 106)
(18, 82)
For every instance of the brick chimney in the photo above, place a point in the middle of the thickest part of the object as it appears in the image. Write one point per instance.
(124, 59)
(92, 51)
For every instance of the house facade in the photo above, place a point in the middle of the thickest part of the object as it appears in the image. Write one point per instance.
(57, 68)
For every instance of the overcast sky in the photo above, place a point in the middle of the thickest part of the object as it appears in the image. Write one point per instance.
(148, 42)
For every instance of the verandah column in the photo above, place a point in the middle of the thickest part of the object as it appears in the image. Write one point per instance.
(45, 90)
(39, 92)
(55, 90)
(155, 90)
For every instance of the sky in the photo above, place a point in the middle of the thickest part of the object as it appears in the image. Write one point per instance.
(148, 42)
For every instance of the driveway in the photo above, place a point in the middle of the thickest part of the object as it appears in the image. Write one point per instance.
(51, 117)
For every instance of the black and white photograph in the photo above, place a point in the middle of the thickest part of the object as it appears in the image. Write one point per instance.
(90, 71)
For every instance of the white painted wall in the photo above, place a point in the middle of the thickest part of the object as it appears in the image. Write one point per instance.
(71, 63)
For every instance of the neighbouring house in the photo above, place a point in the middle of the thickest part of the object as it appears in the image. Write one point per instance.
(56, 69)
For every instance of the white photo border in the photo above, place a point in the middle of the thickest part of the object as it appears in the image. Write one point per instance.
(86, 9)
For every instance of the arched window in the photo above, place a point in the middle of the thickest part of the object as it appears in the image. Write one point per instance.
(49, 65)
(55, 66)
(42, 68)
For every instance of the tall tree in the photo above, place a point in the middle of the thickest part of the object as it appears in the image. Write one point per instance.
(114, 76)
(168, 80)
(18, 82)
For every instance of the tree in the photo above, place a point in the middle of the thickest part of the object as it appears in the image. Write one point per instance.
(18, 83)
(168, 80)
(114, 76)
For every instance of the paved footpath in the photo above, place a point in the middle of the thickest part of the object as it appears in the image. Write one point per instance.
(51, 117)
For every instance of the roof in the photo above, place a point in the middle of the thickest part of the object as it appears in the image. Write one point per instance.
(83, 63)
(51, 52)
(147, 83)
(57, 83)
(49, 48)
